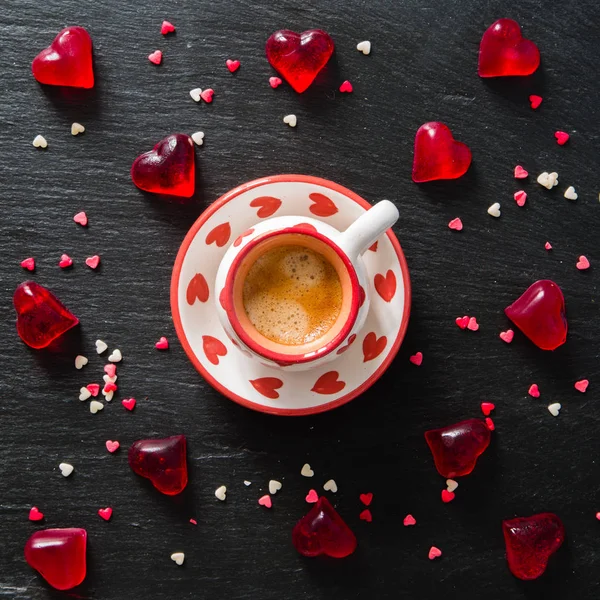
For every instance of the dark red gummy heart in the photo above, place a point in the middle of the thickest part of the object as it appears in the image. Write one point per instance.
(530, 541)
(162, 461)
(438, 155)
(41, 316)
(58, 555)
(540, 314)
(67, 61)
(299, 57)
(456, 448)
(504, 51)
(322, 531)
(168, 168)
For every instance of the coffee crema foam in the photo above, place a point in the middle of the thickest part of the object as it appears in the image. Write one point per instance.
(292, 295)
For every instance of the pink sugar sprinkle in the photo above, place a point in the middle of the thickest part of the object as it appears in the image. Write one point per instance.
(167, 27)
(28, 263)
(156, 57)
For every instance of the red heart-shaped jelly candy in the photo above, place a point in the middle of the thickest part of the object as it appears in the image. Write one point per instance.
(504, 51)
(540, 314)
(162, 461)
(322, 531)
(456, 448)
(58, 555)
(438, 155)
(41, 316)
(299, 57)
(67, 61)
(530, 541)
(168, 168)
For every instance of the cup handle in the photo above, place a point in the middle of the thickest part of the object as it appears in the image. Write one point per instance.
(367, 228)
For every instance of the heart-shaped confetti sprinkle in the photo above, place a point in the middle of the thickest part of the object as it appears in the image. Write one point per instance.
(110, 369)
(77, 128)
(109, 387)
(494, 210)
(109, 379)
(548, 180)
(489, 424)
(290, 120)
(582, 385)
(162, 344)
(80, 361)
(39, 141)
(462, 322)
(307, 471)
(66, 469)
(128, 403)
(274, 486)
(65, 261)
(275, 82)
(96, 406)
(28, 263)
(507, 336)
(554, 409)
(456, 224)
(346, 87)
(366, 515)
(108, 396)
(312, 497)
(548, 246)
(178, 558)
(409, 521)
(156, 57)
(416, 359)
(101, 346)
(520, 197)
(105, 513)
(570, 193)
(366, 499)
(94, 389)
(35, 514)
(196, 94)
(364, 47)
(167, 27)
(562, 137)
(92, 261)
(520, 172)
(434, 553)
(583, 263)
(193, 522)
(265, 501)
(447, 496)
(534, 391)
(84, 394)
(112, 446)
(81, 219)
(535, 101)
(116, 356)
(487, 408)
(207, 95)
(221, 493)
(451, 485)
(198, 138)
(473, 325)
(232, 65)
(330, 486)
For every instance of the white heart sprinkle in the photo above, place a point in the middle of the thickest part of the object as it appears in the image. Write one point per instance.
(101, 346)
(274, 486)
(65, 469)
(80, 361)
(108, 396)
(553, 177)
(77, 128)
(40, 142)
(451, 485)
(544, 180)
(247, 483)
(84, 393)
(554, 409)
(364, 47)
(178, 558)
(221, 493)
(195, 94)
(116, 356)
(95, 406)
(307, 471)
(109, 379)
(570, 193)
(330, 486)
(198, 138)
(494, 210)
(290, 120)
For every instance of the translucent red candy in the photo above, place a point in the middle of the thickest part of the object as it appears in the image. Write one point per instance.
(438, 155)
(58, 555)
(162, 461)
(540, 314)
(299, 57)
(41, 316)
(168, 168)
(456, 448)
(530, 541)
(504, 51)
(322, 531)
(67, 61)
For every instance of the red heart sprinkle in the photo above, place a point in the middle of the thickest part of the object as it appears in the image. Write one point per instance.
(105, 513)
(366, 499)
(110, 369)
(582, 385)
(81, 219)
(490, 424)
(328, 383)
(456, 224)
(65, 261)
(548, 246)
(462, 322)
(416, 359)
(162, 344)
(28, 263)
(207, 95)
(366, 515)
(346, 87)
(373, 346)
(447, 496)
(93, 388)
(156, 57)
(128, 403)
(93, 261)
(112, 446)
(312, 497)
(193, 522)
(534, 391)
(232, 65)
(507, 336)
(561, 137)
(167, 27)
(583, 263)
(35, 514)
(473, 325)
(386, 286)
(520, 197)
(434, 553)
(265, 501)
(409, 520)
(520, 172)
(535, 101)
(275, 82)
(487, 408)
(110, 386)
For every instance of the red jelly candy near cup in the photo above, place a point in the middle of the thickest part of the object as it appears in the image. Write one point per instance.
(162, 461)
(169, 168)
(540, 314)
(58, 555)
(67, 61)
(530, 541)
(457, 447)
(322, 531)
(298, 57)
(41, 316)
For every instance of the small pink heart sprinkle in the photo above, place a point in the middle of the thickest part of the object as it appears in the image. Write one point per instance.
(548, 246)
(156, 57)
(110, 387)
(462, 322)
(81, 219)
(456, 224)
(110, 369)
(416, 359)
(112, 446)
(520, 197)
(583, 263)
(582, 385)
(507, 336)
(162, 344)
(447, 496)
(534, 391)
(232, 65)
(65, 261)
(520, 172)
(92, 261)
(28, 263)
(535, 101)
(562, 137)
(128, 403)
(93, 388)
(167, 27)
(193, 522)
(207, 95)
(409, 520)
(35, 514)
(366, 499)
(487, 408)
(265, 501)
(312, 497)
(366, 515)
(473, 324)
(490, 424)
(346, 87)
(434, 553)
(275, 82)
(105, 513)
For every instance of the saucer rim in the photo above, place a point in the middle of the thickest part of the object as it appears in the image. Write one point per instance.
(174, 296)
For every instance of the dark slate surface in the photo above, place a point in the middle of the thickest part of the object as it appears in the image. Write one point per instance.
(423, 67)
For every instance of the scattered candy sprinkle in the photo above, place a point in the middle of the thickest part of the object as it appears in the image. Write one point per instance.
(35, 514)
(409, 520)
(434, 553)
(487, 408)
(110, 369)
(535, 101)
(93, 388)
(265, 501)
(307, 471)
(490, 424)
(198, 138)
(473, 324)
(462, 322)
(232, 65)
(583, 263)
(520, 197)
(116, 356)
(65, 261)
(364, 47)
(290, 120)
(548, 180)
(346, 87)
(101, 347)
(96, 406)
(109, 387)
(548, 246)
(28, 263)
(66, 469)
(128, 403)
(582, 385)
(162, 344)
(84, 394)
(275, 82)
(77, 128)
(366, 499)
(366, 515)
(451, 485)
(274, 486)
(207, 95)
(193, 522)
(330, 486)
(570, 193)
(178, 558)
(39, 141)
(456, 224)
(156, 57)
(494, 210)
(196, 94)
(92, 261)
(534, 391)
(447, 496)
(247, 483)
(520, 172)
(554, 409)
(81, 219)
(112, 446)
(416, 359)
(507, 336)
(221, 493)
(105, 513)
(312, 497)
(167, 27)
(80, 361)
(562, 137)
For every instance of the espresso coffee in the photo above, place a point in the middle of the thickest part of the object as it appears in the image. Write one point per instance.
(292, 295)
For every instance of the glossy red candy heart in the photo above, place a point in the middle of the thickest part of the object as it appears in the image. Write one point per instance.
(540, 314)
(456, 448)
(504, 51)
(41, 316)
(67, 61)
(299, 57)
(530, 541)
(168, 168)
(58, 555)
(438, 155)
(322, 531)
(162, 461)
